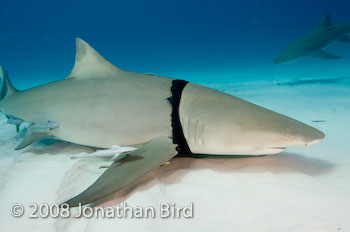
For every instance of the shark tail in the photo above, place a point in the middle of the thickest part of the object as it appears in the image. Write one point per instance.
(7, 88)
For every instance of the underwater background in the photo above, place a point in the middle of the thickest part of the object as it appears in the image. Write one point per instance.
(200, 41)
(226, 45)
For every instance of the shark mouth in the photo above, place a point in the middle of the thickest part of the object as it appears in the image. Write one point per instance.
(314, 142)
(275, 150)
(269, 151)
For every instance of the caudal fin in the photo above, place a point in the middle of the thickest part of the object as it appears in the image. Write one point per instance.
(6, 87)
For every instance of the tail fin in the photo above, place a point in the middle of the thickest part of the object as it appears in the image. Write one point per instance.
(6, 88)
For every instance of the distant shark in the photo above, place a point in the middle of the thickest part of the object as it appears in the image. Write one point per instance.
(313, 44)
(102, 106)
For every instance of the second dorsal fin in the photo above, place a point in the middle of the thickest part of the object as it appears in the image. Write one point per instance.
(89, 63)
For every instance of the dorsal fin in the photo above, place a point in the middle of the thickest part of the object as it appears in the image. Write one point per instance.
(89, 63)
(10, 89)
(3, 90)
(7, 88)
(326, 22)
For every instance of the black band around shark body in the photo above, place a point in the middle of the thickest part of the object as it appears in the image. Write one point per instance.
(178, 135)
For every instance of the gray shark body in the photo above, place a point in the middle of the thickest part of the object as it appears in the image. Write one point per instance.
(313, 44)
(100, 105)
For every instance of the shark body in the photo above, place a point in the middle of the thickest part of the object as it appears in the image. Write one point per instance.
(315, 42)
(100, 105)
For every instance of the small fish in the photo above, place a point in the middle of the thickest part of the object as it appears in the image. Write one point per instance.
(318, 121)
(49, 125)
(115, 151)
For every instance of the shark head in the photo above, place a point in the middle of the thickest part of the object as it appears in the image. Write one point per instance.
(217, 123)
(286, 56)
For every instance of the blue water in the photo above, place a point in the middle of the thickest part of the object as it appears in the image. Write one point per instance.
(201, 41)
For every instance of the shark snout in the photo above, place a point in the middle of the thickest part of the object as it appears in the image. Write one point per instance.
(309, 137)
(281, 59)
(314, 136)
(277, 60)
(286, 57)
(304, 136)
(286, 132)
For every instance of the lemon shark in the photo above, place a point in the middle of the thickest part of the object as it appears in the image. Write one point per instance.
(315, 42)
(103, 106)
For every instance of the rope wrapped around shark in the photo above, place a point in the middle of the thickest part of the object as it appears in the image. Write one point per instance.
(178, 135)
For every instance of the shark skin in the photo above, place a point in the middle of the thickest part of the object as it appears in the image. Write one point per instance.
(315, 42)
(100, 105)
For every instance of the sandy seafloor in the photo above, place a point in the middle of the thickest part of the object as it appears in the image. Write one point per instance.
(302, 189)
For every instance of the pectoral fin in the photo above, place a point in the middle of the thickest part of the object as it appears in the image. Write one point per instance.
(324, 55)
(35, 133)
(123, 172)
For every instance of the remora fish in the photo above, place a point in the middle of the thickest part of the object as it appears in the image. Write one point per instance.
(313, 44)
(100, 105)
